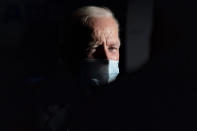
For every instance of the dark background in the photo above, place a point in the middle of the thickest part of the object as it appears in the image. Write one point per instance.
(31, 31)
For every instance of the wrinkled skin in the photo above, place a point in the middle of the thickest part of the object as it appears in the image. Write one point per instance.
(105, 40)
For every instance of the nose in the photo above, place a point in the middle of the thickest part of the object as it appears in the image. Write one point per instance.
(101, 52)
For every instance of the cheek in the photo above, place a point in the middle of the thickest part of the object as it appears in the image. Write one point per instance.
(114, 55)
(117, 56)
(90, 55)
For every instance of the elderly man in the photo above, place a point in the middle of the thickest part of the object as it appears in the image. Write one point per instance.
(94, 49)
(92, 54)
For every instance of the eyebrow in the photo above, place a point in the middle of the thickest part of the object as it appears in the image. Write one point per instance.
(96, 43)
(115, 44)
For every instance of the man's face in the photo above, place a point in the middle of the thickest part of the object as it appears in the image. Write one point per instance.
(105, 41)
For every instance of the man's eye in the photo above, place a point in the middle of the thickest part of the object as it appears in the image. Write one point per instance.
(91, 49)
(113, 48)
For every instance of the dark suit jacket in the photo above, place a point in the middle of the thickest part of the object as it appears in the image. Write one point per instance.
(117, 106)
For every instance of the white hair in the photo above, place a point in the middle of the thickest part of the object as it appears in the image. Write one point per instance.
(86, 12)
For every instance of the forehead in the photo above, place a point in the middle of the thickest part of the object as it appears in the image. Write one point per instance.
(104, 29)
(102, 23)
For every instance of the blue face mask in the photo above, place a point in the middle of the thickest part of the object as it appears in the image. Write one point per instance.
(98, 72)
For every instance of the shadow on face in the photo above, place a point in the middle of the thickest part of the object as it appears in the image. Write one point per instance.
(105, 41)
